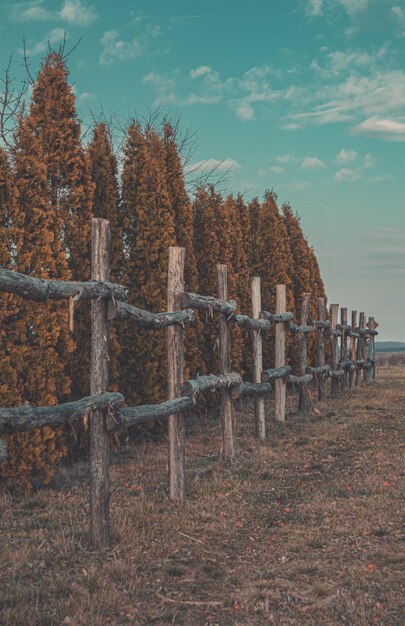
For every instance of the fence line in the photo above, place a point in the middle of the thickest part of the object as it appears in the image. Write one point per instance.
(106, 410)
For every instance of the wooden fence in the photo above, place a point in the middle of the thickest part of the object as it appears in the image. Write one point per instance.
(351, 363)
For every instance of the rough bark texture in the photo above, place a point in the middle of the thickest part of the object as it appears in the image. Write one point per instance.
(208, 303)
(99, 381)
(252, 389)
(142, 413)
(335, 384)
(343, 345)
(303, 400)
(26, 417)
(210, 381)
(260, 421)
(251, 324)
(352, 351)
(40, 289)
(120, 310)
(279, 355)
(276, 374)
(224, 336)
(320, 348)
(175, 373)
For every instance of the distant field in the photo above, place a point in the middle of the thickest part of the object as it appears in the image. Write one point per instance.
(304, 530)
(385, 359)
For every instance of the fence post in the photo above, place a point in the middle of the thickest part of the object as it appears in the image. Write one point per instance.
(260, 423)
(99, 381)
(371, 350)
(320, 345)
(302, 339)
(343, 345)
(280, 384)
(224, 344)
(363, 340)
(353, 357)
(175, 368)
(334, 354)
(360, 350)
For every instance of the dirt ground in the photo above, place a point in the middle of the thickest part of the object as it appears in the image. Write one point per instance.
(306, 529)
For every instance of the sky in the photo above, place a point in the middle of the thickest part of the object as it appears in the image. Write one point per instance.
(303, 96)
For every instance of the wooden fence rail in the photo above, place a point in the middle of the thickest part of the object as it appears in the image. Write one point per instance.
(356, 354)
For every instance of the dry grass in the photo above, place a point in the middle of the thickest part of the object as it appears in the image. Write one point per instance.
(307, 529)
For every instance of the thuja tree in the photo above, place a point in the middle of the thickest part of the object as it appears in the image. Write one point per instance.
(40, 333)
(254, 208)
(148, 228)
(306, 276)
(207, 208)
(53, 118)
(273, 261)
(10, 383)
(182, 213)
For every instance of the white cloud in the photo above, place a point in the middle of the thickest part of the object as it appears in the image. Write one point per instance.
(115, 48)
(346, 156)
(291, 126)
(313, 163)
(71, 11)
(244, 110)
(56, 35)
(276, 169)
(346, 175)
(213, 164)
(284, 158)
(203, 70)
(389, 129)
(318, 7)
(86, 97)
(74, 12)
(314, 7)
(381, 178)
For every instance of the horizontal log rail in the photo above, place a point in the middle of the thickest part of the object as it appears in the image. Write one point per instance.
(41, 289)
(131, 415)
(344, 327)
(346, 364)
(275, 373)
(247, 389)
(277, 318)
(322, 325)
(210, 381)
(118, 310)
(305, 379)
(339, 373)
(26, 417)
(250, 323)
(207, 303)
(304, 329)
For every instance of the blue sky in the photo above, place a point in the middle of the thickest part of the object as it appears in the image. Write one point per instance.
(305, 96)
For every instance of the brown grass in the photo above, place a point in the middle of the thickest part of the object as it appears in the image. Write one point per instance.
(307, 529)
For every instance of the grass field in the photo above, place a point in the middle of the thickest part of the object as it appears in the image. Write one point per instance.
(307, 529)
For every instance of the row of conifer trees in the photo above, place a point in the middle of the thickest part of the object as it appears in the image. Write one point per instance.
(51, 184)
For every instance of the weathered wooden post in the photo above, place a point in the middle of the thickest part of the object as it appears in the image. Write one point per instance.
(334, 355)
(353, 356)
(260, 422)
(343, 345)
(363, 339)
(371, 350)
(360, 372)
(175, 369)
(280, 383)
(320, 345)
(224, 345)
(302, 339)
(99, 381)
